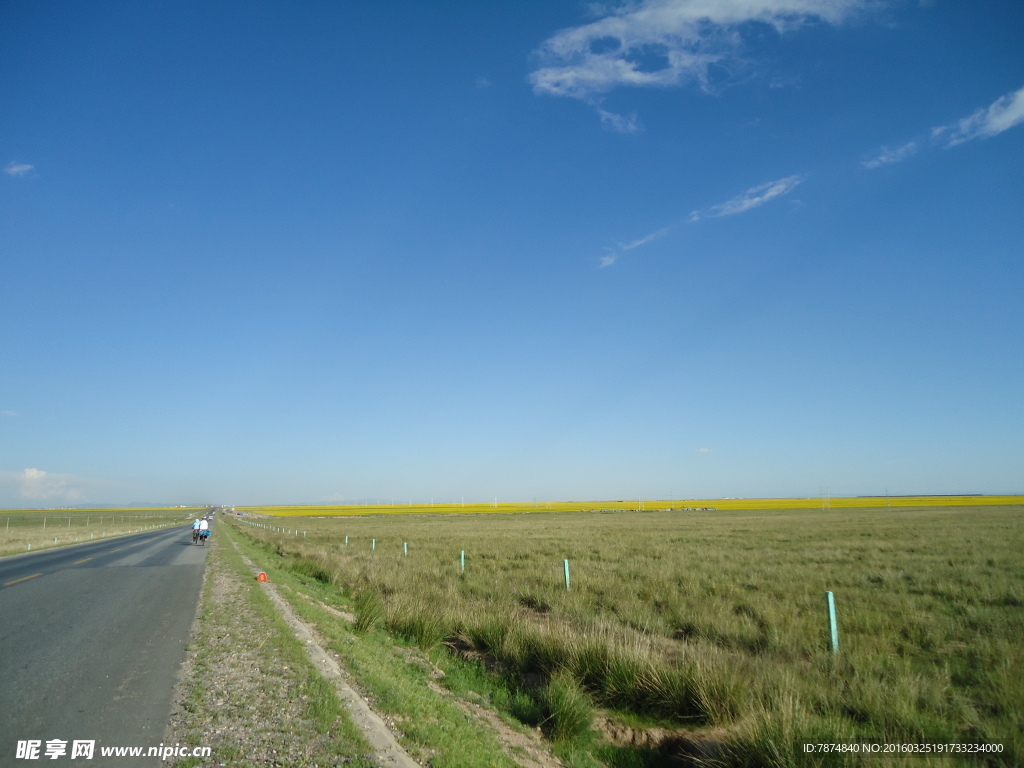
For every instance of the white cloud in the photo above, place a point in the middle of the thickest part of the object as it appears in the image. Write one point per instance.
(619, 123)
(752, 198)
(482, 82)
(644, 240)
(10, 414)
(610, 258)
(39, 485)
(703, 450)
(888, 156)
(663, 43)
(17, 169)
(1001, 115)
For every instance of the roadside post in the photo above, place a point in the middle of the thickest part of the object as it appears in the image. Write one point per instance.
(566, 563)
(462, 561)
(830, 604)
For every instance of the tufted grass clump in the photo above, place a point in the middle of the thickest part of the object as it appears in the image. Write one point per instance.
(369, 608)
(569, 710)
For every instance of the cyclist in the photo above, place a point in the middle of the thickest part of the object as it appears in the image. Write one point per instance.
(204, 530)
(195, 530)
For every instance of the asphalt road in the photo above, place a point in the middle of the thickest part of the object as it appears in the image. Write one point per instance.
(91, 640)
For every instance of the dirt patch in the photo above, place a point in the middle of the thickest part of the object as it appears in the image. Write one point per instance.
(688, 746)
(528, 749)
(350, 617)
(462, 648)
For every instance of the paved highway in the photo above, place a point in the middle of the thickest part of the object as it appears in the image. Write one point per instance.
(91, 640)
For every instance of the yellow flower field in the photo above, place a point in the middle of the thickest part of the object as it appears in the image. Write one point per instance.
(856, 502)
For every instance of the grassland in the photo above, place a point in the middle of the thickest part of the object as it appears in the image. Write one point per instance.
(22, 530)
(862, 502)
(435, 728)
(711, 624)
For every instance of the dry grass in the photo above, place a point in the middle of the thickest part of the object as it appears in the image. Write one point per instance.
(23, 530)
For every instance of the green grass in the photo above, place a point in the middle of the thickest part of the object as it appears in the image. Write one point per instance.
(716, 620)
(569, 711)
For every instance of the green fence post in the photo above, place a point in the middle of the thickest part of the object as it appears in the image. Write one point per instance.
(830, 603)
(462, 561)
(346, 541)
(566, 562)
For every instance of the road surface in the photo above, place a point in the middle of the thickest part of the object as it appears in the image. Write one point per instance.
(91, 640)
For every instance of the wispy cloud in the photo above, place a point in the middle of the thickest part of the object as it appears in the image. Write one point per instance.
(662, 44)
(9, 414)
(17, 169)
(703, 450)
(482, 82)
(620, 123)
(644, 240)
(39, 485)
(610, 258)
(888, 156)
(752, 198)
(1002, 114)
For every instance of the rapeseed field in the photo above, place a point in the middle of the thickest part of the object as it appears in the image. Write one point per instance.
(858, 502)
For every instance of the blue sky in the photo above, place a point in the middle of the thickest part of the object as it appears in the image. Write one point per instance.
(295, 253)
